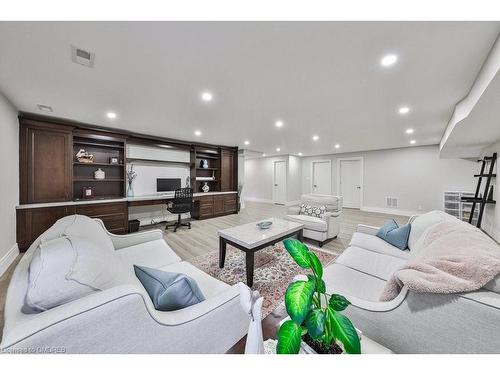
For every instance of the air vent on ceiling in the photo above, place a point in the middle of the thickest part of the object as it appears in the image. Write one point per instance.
(82, 57)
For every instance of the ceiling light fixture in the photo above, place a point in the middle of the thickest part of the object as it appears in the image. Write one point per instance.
(278, 149)
(45, 108)
(409, 131)
(207, 96)
(337, 146)
(111, 115)
(389, 60)
(300, 154)
(413, 141)
(197, 133)
(315, 137)
(404, 110)
(263, 155)
(278, 124)
(247, 143)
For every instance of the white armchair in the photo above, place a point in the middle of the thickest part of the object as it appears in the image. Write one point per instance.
(321, 229)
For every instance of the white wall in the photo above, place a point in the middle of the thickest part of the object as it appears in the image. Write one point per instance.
(416, 175)
(491, 216)
(9, 188)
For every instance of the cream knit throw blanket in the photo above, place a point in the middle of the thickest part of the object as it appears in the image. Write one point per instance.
(451, 257)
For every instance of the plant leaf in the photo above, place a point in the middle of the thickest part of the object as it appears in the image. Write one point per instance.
(338, 302)
(298, 251)
(315, 264)
(298, 298)
(344, 331)
(289, 337)
(315, 323)
(321, 287)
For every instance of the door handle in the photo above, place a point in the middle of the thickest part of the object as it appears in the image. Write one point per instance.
(358, 187)
(315, 185)
(275, 184)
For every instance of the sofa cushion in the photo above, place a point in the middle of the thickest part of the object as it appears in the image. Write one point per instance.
(392, 233)
(373, 243)
(421, 223)
(376, 264)
(209, 285)
(169, 291)
(351, 282)
(309, 222)
(154, 254)
(48, 285)
(332, 202)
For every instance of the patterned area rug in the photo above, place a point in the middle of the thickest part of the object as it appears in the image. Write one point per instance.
(274, 270)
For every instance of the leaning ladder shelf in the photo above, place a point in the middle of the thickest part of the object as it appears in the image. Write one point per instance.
(486, 197)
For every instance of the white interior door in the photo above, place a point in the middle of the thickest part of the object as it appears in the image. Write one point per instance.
(350, 184)
(321, 177)
(279, 188)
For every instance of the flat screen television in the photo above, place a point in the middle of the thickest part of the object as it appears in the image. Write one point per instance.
(167, 184)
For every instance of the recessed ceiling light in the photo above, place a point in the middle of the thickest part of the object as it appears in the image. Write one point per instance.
(263, 155)
(315, 137)
(409, 131)
(197, 133)
(278, 149)
(45, 108)
(207, 96)
(247, 143)
(337, 146)
(111, 115)
(389, 60)
(300, 154)
(413, 141)
(278, 124)
(404, 110)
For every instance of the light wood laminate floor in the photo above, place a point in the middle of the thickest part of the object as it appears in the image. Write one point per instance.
(202, 237)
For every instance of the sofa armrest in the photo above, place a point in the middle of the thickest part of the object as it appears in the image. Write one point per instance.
(126, 240)
(367, 229)
(293, 210)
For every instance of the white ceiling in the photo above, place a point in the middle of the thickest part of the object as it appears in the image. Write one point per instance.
(320, 78)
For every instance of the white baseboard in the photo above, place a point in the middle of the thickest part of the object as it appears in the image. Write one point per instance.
(390, 211)
(8, 258)
(292, 203)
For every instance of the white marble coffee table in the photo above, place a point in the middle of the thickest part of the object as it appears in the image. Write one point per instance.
(250, 238)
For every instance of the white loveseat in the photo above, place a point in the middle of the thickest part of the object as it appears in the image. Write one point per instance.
(122, 319)
(412, 322)
(321, 229)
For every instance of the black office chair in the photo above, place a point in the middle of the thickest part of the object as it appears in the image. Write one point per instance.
(181, 204)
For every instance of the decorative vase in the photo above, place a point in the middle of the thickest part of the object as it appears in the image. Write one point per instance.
(204, 163)
(99, 174)
(130, 190)
(205, 188)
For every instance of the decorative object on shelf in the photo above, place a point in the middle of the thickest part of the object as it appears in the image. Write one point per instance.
(84, 157)
(265, 224)
(211, 178)
(99, 174)
(113, 160)
(326, 327)
(205, 188)
(251, 302)
(87, 192)
(131, 175)
(204, 163)
(188, 182)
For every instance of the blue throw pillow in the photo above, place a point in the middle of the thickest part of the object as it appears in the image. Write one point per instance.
(169, 291)
(394, 234)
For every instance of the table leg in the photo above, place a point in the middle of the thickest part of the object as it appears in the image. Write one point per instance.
(300, 235)
(249, 266)
(222, 252)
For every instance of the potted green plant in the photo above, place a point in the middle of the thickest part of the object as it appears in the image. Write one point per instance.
(315, 318)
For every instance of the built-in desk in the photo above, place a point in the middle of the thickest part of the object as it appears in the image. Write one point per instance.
(34, 219)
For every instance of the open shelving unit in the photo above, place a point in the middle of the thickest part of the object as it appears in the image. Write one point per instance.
(103, 149)
(212, 156)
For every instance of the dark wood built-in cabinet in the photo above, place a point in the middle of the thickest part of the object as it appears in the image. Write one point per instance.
(51, 173)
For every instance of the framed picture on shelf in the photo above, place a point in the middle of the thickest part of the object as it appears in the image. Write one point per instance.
(113, 160)
(87, 192)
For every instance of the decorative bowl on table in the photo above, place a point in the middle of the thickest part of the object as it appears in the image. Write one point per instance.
(265, 224)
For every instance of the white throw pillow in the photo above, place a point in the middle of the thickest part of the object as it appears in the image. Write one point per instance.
(84, 226)
(48, 286)
(421, 223)
(309, 210)
(95, 267)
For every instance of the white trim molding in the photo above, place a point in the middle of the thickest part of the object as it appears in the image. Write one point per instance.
(390, 211)
(8, 258)
(258, 200)
(361, 172)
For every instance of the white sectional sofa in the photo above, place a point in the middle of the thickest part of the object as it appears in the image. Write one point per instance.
(122, 319)
(412, 322)
(321, 229)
